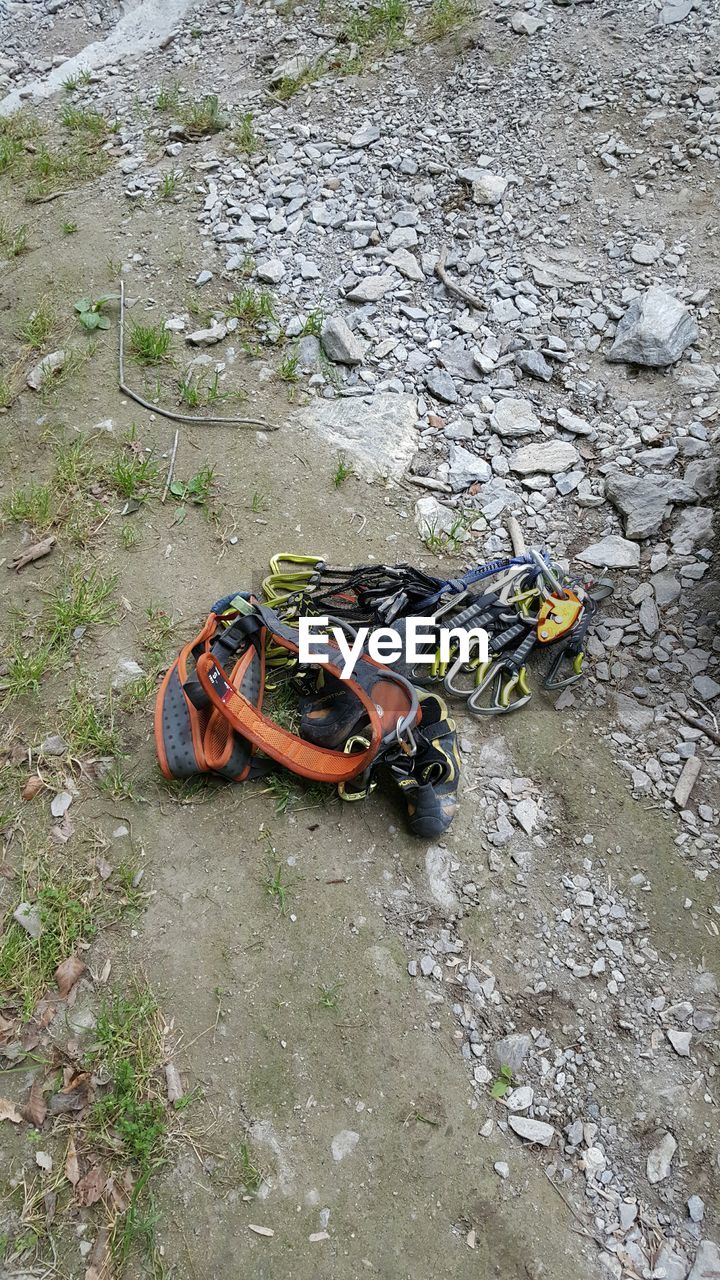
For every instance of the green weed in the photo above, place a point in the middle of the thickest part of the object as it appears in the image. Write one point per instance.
(202, 116)
(132, 476)
(446, 16)
(381, 24)
(313, 324)
(150, 343)
(197, 489)
(31, 506)
(89, 727)
(341, 473)
(244, 135)
(252, 307)
(27, 965)
(82, 120)
(169, 186)
(69, 228)
(81, 599)
(13, 240)
(168, 98)
(290, 85)
(288, 370)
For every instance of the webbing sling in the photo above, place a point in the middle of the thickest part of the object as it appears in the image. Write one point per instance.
(211, 720)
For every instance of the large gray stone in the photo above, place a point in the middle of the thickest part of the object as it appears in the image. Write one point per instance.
(702, 476)
(512, 1051)
(489, 188)
(654, 331)
(612, 552)
(379, 435)
(340, 343)
(373, 288)
(694, 528)
(460, 362)
(441, 386)
(433, 518)
(466, 469)
(632, 715)
(707, 1262)
(547, 458)
(514, 418)
(642, 501)
(536, 1131)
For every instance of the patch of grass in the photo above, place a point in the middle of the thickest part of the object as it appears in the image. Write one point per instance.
(132, 476)
(276, 888)
(439, 540)
(168, 98)
(252, 307)
(82, 120)
(250, 1173)
(290, 85)
(341, 473)
(13, 239)
(130, 1118)
(64, 169)
(76, 466)
(150, 343)
(169, 186)
(81, 599)
(71, 84)
(117, 783)
(288, 370)
(244, 135)
(203, 116)
(69, 228)
(27, 965)
(259, 502)
(89, 727)
(330, 995)
(16, 131)
(446, 16)
(24, 666)
(313, 323)
(381, 24)
(31, 506)
(37, 326)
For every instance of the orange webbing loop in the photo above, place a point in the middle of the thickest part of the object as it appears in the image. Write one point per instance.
(317, 763)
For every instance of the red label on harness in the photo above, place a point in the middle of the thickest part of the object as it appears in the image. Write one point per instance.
(220, 684)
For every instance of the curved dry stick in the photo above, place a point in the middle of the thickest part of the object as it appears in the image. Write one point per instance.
(169, 413)
(453, 288)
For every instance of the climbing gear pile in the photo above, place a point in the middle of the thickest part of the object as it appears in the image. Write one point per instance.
(384, 721)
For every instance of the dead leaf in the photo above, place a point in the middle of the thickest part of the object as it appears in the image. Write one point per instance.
(91, 1186)
(72, 1168)
(67, 974)
(75, 1094)
(33, 785)
(50, 1202)
(43, 1160)
(120, 1201)
(35, 1109)
(104, 868)
(99, 1257)
(35, 552)
(173, 1082)
(105, 972)
(8, 1112)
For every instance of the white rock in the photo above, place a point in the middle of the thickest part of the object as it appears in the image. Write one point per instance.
(546, 458)
(660, 1159)
(344, 1143)
(373, 288)
(612, 552)
(514, 417)
(489, 188)
(49, 365)
(271, 271)
(520, 1099)
(379, 436)
(654, 331)
(534, 1131)
(680, 1041)
(707, 1262)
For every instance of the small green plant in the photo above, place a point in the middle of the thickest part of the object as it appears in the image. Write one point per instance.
(76, 466)
(446, 16)
(38, 325)
(259, 502)
(197, 489)
(502, 1084)
(90, 311)
(290, 85)
(341, 473)
(82, 120)
(69, 228)
(13, 240)
(129, 536)
(27, 965)
(276, 888)
(150, 343)
(80, 599)
(31, 506)
(330, 995)
(288, 370)
(88, 726)
(71, 84)
(250, 1174)
(25, 663)
(168, 98)
(244, 135)
(169, 186)
(313, 323)
(252, 307)
(203, 116)
(382, 24)
(132, 476)
(67, 167)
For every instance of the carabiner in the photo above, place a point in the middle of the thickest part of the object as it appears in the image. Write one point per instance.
(501, 702)
(551, 680)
